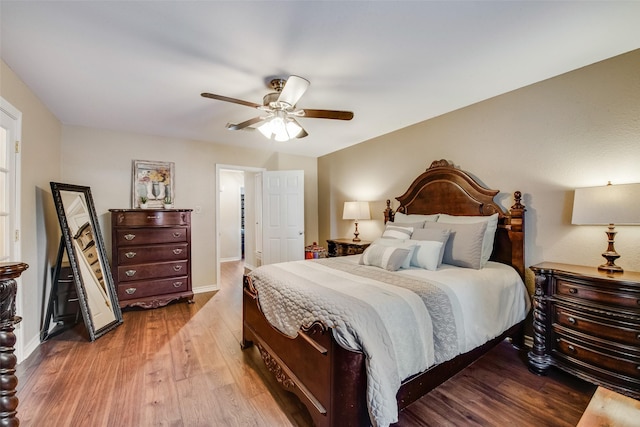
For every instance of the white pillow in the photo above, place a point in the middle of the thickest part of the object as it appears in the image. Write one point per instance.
(489, 234)
(395, 232)
(400, 217)
(427, 254)
(439, 235)
(386, 257)
(399, 243)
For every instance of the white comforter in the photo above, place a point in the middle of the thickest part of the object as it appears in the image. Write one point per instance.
(391, 324)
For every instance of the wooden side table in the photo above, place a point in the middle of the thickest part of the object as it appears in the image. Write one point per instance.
(8, 380)
(342, 247)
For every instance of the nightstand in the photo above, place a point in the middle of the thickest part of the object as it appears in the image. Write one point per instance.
(587, 322)
(342, 247)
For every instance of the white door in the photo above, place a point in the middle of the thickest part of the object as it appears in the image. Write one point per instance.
(282, 216)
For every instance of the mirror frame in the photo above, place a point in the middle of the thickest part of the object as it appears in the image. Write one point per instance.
(67, 235)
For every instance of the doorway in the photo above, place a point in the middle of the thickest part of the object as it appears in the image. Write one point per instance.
(235, 216)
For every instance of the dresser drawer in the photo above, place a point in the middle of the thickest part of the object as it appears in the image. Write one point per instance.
(601, 327)
(144, 254)
(144, 236)
(600, 295)
(592, 355)
(146, 218)
(152, 288)
(133, 272)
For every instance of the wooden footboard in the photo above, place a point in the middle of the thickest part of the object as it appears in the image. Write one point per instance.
(330, 380)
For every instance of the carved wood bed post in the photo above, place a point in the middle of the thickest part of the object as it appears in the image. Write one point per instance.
(516, 233)
(8, 380)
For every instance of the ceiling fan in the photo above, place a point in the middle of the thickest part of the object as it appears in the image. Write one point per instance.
(278, 120)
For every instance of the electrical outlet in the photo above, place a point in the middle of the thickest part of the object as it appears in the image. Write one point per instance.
(198, 209)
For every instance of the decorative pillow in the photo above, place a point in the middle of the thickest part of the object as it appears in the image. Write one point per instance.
(490, 232)
(399, 243)
(464, 247)
(400, 217)
(387, 257)
(395, 232)
(427, 254)
(433, 234)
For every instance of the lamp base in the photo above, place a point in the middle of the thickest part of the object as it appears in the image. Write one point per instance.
(610, 268)
(610, 255)
(355, 235)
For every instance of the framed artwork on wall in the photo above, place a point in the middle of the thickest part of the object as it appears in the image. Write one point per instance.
(152, 184)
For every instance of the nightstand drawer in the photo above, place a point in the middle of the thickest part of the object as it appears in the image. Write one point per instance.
(614, 297)
(629, 366)
(606, 328)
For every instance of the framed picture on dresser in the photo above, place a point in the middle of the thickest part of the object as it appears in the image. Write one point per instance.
(152, 184)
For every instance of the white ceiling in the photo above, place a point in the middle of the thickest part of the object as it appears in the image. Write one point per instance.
(140, 66)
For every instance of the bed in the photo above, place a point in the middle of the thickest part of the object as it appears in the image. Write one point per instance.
(327, 361)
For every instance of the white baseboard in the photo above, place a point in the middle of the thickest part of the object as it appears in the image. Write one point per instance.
(230, 259)
(30, 347)
(205, 288)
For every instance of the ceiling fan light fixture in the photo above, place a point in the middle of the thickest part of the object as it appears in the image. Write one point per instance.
(280, 128)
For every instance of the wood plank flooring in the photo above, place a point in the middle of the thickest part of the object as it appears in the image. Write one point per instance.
(182, 366)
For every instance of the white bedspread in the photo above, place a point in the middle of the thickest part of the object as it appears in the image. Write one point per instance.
(390, 323)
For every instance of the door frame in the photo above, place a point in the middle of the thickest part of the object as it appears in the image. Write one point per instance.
(221, 167)
(16, 116)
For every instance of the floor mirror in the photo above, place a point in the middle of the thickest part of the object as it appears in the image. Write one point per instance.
(97, 297)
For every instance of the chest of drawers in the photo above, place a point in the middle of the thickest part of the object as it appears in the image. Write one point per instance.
(151, 256)
(587, 323)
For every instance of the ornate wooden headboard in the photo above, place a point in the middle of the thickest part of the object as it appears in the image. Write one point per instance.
(443, 188)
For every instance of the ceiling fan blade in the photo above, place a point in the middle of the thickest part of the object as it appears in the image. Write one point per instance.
(244, 124)
(227, 99)
(302, 132)
(293, 90)
(327, 114)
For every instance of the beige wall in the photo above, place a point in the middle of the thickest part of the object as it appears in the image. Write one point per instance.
(102, 160)
(40, 162)
(579, 129)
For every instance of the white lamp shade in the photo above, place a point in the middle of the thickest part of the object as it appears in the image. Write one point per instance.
(356, 210)
(609, 204)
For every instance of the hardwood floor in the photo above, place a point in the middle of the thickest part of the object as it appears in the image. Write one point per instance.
(181, 365)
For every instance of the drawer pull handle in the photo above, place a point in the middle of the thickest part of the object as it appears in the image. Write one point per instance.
(129, 236)
(130, 273)
(130, 291)
(177, 234)
(153, 216)
(571, 348)
(638, 336)
(177, 284)
(177, 267)
(573, 291)
(177, 251)
(571, 320)
(130, 254)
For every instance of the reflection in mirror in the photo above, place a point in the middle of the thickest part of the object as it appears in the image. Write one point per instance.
(87, 257)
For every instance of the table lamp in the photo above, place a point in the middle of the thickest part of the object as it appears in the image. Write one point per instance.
(608, 205)
(356, 211)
